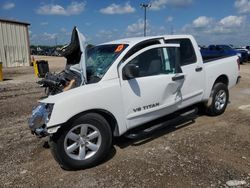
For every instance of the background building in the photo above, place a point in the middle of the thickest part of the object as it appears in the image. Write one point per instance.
(14, 43)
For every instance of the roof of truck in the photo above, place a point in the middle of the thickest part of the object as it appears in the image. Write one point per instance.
(135, 40)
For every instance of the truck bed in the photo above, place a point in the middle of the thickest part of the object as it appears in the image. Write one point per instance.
(209, 59)
(214, 68)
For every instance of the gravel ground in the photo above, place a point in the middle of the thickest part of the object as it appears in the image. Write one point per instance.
(206, 152)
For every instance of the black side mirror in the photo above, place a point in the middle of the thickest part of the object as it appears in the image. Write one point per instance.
(130, 71)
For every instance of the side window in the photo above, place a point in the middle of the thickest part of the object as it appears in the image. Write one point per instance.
(140, 46)
(154, 62)
(187, 53)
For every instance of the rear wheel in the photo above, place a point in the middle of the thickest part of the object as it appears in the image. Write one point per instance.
(83, 144)
(219, 100)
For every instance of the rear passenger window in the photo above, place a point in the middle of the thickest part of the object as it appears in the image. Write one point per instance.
(187, 53)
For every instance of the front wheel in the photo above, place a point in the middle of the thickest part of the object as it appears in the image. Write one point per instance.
(219, 100)
(83, 144)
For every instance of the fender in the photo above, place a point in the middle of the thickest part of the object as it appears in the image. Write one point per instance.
(104, 95)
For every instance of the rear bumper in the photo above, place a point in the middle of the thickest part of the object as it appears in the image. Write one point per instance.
(238, 79)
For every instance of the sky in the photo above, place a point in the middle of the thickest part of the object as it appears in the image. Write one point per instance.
(210, 21)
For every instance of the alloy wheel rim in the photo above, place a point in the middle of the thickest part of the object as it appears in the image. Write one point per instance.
(82, 142)
(220, 100)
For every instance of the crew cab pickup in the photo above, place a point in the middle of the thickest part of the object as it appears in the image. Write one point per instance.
(125, 84)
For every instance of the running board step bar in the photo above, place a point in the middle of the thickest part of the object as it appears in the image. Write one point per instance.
(177, 120)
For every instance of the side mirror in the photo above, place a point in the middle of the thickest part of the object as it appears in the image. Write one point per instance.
(130, 71)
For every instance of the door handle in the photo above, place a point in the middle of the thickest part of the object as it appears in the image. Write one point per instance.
(178, 77)
(198, 69)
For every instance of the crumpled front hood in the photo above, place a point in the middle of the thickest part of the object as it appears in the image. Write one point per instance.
(75, 52)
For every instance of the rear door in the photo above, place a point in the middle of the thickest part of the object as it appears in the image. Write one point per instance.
(193, 86)
(157, 89)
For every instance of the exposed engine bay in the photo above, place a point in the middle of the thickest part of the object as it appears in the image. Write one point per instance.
(70, 77)
(57, 83)
(86, 64)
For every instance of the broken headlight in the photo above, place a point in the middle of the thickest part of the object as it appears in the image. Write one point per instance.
(40, 116)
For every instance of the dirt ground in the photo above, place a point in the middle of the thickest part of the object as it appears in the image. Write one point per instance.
(207, 152)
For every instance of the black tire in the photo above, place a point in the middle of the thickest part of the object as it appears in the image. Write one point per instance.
(212, 108)
(57, 143)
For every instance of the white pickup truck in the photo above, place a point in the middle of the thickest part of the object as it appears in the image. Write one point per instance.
(125, 84)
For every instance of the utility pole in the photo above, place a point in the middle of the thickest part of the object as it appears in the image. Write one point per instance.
(145, 6)
(56, 40)
(171, 30)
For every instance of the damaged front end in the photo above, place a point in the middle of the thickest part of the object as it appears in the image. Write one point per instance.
(74, 74)
(39, 118)
(57, 83)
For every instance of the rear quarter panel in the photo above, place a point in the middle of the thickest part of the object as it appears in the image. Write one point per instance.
(225, 66)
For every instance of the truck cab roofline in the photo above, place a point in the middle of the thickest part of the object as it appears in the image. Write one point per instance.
(135, 40)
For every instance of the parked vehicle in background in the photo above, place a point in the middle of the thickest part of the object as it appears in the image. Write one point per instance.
(45, 50)
(248, 51)
(218, 51)
(124, 84)
(244, 54)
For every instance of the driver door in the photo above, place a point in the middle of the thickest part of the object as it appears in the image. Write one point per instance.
(156, 90)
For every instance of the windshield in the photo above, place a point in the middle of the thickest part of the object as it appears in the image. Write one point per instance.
(100, 58)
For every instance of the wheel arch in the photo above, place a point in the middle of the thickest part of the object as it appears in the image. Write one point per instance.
(222, 79)
(109, 117)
